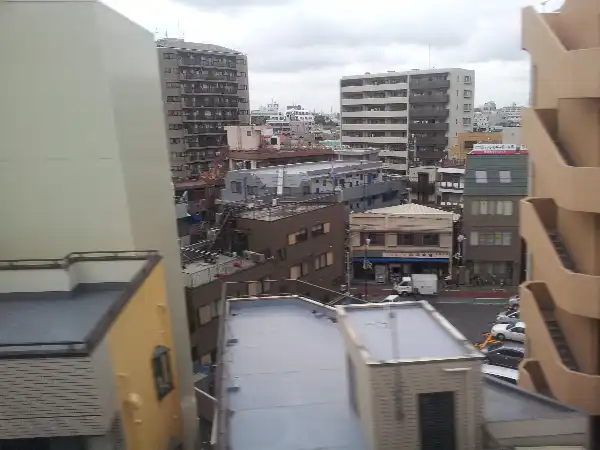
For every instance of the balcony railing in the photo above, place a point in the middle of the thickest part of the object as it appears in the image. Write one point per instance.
(575, 292)
(426, 98)
(208, 91)
(451, 185)
(429, 84)
(553, 162)
(416, 126)
(209, 77)
(550, 348)
(422, 113)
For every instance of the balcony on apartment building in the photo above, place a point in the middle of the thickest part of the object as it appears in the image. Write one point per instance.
(213, 116)
(364, 100)
(198, 89)
(192, 130)
(416, 98)
(210, 102)
(197, 58)
(374, 126)
(205, 142)
(429, 83)
(431, 141)
(374, 84)
(428, 112)
(560, 64)
(574, 289)
(198, 75)
(571, 165)
(428, 126)
(563, 372)
(375, 137)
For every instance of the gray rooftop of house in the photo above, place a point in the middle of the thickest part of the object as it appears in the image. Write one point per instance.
(316, 167)
(285, 377)
(281, 211)
(405, 331)
(54, 321)
(290, 369)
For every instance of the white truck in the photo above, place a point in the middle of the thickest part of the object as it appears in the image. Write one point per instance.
(422, 284)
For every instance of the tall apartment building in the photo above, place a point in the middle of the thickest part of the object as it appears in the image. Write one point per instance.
(99, 161)
(384, 110)
(560, 220)
(205, 89)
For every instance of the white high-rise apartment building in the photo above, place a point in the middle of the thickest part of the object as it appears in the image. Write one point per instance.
(385, 110)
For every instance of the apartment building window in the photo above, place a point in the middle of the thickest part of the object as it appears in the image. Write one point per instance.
(480, 176)
(497, 238)
(468, 94)
(173, 99)
(169, 56)
(172, 85)
(299, 236)
(320, 229)
(236, 187)
(466, 121)
(299, 270)
(492, 207)
(161, 370)
(175, 126)
(252, 190)
(241, 61)
(375, 238)
(242, 87)
(174, 112)
(431, 239)
(405, 239)
(323, 260)
(467, 107)
(504, 176)
(468, 79)
(175, 140)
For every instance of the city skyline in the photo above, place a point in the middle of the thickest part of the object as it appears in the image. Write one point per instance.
(301, 60)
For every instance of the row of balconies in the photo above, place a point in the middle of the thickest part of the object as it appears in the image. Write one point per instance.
(425, 126)
(205, 76)
(213, 117)
(424, 83)
(451, 185)
(429, 112)
(209, 91)
(206, 63)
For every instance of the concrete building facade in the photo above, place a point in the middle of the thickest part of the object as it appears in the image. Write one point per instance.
(403, 240)
(559, 221)
(494, 185)
(384, 110)
(205, 89)
(100, 161)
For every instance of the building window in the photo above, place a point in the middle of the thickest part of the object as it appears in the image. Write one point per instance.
(172, 85)
(161, 370)
(474, 239)
(323, 260)
(506, 238)
(174, 112)
(287, 191)
(474, 208)
(305, 190)
(467, 107)
(204, 314)
(320, 229)
(299, 236)
(431, 239)
(236, 187)
(405, 239)
(480, 176)
(468, 94)
(466, 121)
(299, 270)
(504, 176)
(175, 140)
(248, 133)
(169, 56)
(468, 79)
(375, 238)
(173, 99)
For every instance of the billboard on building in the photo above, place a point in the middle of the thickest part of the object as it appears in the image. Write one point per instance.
(498, 149)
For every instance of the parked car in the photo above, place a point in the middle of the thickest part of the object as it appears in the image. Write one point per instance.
(510, 317)
(507, 355)
(502, 373)
(511, 332)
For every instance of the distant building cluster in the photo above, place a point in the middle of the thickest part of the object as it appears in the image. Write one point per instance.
(490, 118)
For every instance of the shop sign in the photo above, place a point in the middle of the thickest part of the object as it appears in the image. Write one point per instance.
(414, 255)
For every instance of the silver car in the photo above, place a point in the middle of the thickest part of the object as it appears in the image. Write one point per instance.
(510, 317)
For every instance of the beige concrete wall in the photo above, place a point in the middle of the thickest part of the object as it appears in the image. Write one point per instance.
(95, 173)
(415, 379)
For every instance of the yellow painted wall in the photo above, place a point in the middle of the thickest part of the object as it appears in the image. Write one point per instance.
(458, 149)
(142, 325)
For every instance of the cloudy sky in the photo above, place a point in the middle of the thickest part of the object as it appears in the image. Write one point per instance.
(298, 49)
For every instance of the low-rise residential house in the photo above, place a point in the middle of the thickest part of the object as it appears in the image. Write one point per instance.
(450, 187)
(87, 359)
(401, 240)
(358, 184)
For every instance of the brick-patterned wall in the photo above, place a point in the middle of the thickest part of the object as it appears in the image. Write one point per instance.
(390, 433)
(50, 397)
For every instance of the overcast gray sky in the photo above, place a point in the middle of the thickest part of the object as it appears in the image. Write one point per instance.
(298, 49)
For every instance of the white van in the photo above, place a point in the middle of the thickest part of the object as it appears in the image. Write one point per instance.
(502, 373)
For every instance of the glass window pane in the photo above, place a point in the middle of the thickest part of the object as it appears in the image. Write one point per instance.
(474, 238)
(508, 208)
(483, 207)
